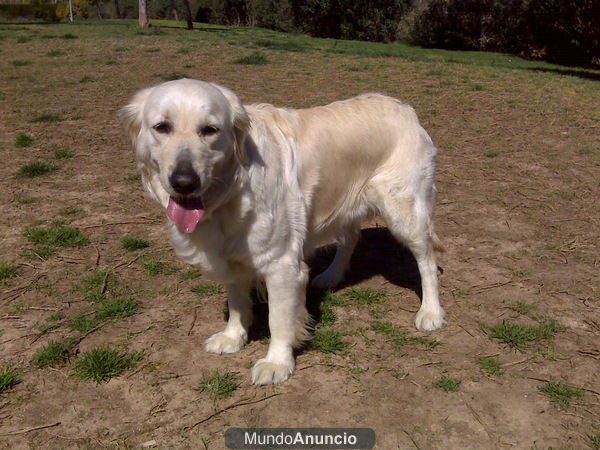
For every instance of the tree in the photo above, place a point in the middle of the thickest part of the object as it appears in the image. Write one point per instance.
(188, 14)
(143, 14)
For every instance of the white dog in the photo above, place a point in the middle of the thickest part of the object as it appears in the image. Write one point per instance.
(251, 190)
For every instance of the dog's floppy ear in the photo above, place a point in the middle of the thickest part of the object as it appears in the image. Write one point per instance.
(131, 115)
(241, 122)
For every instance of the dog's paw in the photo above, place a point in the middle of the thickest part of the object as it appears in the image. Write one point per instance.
(429, 320)
(268, 372)
(326, 280)
(220, 343)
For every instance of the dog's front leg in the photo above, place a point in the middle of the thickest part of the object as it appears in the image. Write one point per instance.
(235, 334)
(288, 319)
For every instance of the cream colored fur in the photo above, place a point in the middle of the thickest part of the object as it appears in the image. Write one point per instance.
(278, 182)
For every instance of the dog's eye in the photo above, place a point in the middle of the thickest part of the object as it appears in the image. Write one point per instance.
(209, 130)
(163, 127)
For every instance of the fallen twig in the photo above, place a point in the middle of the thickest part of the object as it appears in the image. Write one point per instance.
(110, 224)
(27, 430)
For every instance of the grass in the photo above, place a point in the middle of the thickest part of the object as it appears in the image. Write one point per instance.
(21, 63)
(278, 45)
(97, 284)
(7, 270)
(218, 385)
(522, 308)
(401, 337)
(492, 154)
(595, 441)
(172, 76)
(69, 211)
(86, 79)
(35, 169)
(447, 384)
(117, 309)
(189, 275)
(154, 268)
(206, 290)
(48, 117)
(8, 378)
(63, 154)
(490, 365)
(52, 355)
(56, 235)
(365, 295)
(82, 323)
(69, 36)
(132, 244)
(23, 140)
(55, 53)
(522, 337)
(328, 341)
(560, 393)
(103, 363)
(254, 59)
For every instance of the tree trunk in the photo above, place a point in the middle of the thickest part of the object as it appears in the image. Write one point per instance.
(143, 14)
(117, 9)
(188, 14)
(71, 10)
(174, 8)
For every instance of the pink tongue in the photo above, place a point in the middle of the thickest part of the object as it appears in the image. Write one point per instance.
(185, 213)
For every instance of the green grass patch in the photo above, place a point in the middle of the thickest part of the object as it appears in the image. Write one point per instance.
(288, 46)
(400, 337)
(206, 290)
(172, 76)
(56, 235)
(328, 341)
(63, 154)
(98, 284)
(83, 323)
(490, 365)
(154, 268)
(48, 117)
(8, 378)
(86, 79)
(23, 140)
(21, 63)
(492, 154)
(54, 53)
(68, 36)
(253, 59)
(595, 441)
(522, 337)
(189, 275)
(132, 244)
(560, 393)
(7, 270)
(522, 308)
(117, 309)
(69, 211)
(218, 385)
(365, 295)
(35, 169)
(103, 363)
(52, 355)
(447, 384)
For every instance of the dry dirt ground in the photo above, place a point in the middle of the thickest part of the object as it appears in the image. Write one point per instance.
(517, 209)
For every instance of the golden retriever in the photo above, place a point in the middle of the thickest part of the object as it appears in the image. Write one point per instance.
(251, 190)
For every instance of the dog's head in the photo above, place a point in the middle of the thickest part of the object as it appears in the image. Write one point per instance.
(189, 139)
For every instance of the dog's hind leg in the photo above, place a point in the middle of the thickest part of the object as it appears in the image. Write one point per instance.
(409, 219)
(235, 334)
(332, 276)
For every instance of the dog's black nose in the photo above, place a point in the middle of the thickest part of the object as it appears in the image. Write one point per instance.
(184, 178)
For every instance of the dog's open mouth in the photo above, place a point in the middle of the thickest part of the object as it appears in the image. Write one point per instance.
(185, 213)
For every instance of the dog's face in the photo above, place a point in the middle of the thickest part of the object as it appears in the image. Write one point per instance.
(188, 137)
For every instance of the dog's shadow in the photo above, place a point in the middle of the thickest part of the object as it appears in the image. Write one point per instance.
(377, 253)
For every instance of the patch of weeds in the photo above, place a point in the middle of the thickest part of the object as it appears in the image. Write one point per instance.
(595, 441)
(68, 36)
(172, 76)
(136, 177)
(206, 290)
(399, 374)
(27, 200)
(490, 365)
(189, 275)
(52, 355)
(35, 169)
(41, 251)
(86, 79)
(63, 154)
(8, 378)
(69, 211)
(117, 309)
(561, 393)
(522, 308)
(47, 117)
(103, 363)
(111, 62)
(327, 315)
(152, 50)
(328, 341)
(154, 268)
(521, 337)
(23, 140)
(97, 284)
(57, 235)
(218, 385)
(365, 295)
(183, 51)
(133, 244)
(23, 39)
(492, 154)
(82, 323)
(447, 383)
(7, 270)
(401, 337)
(254, 59)
(275, 45)
(55, 53)
(21, 63)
